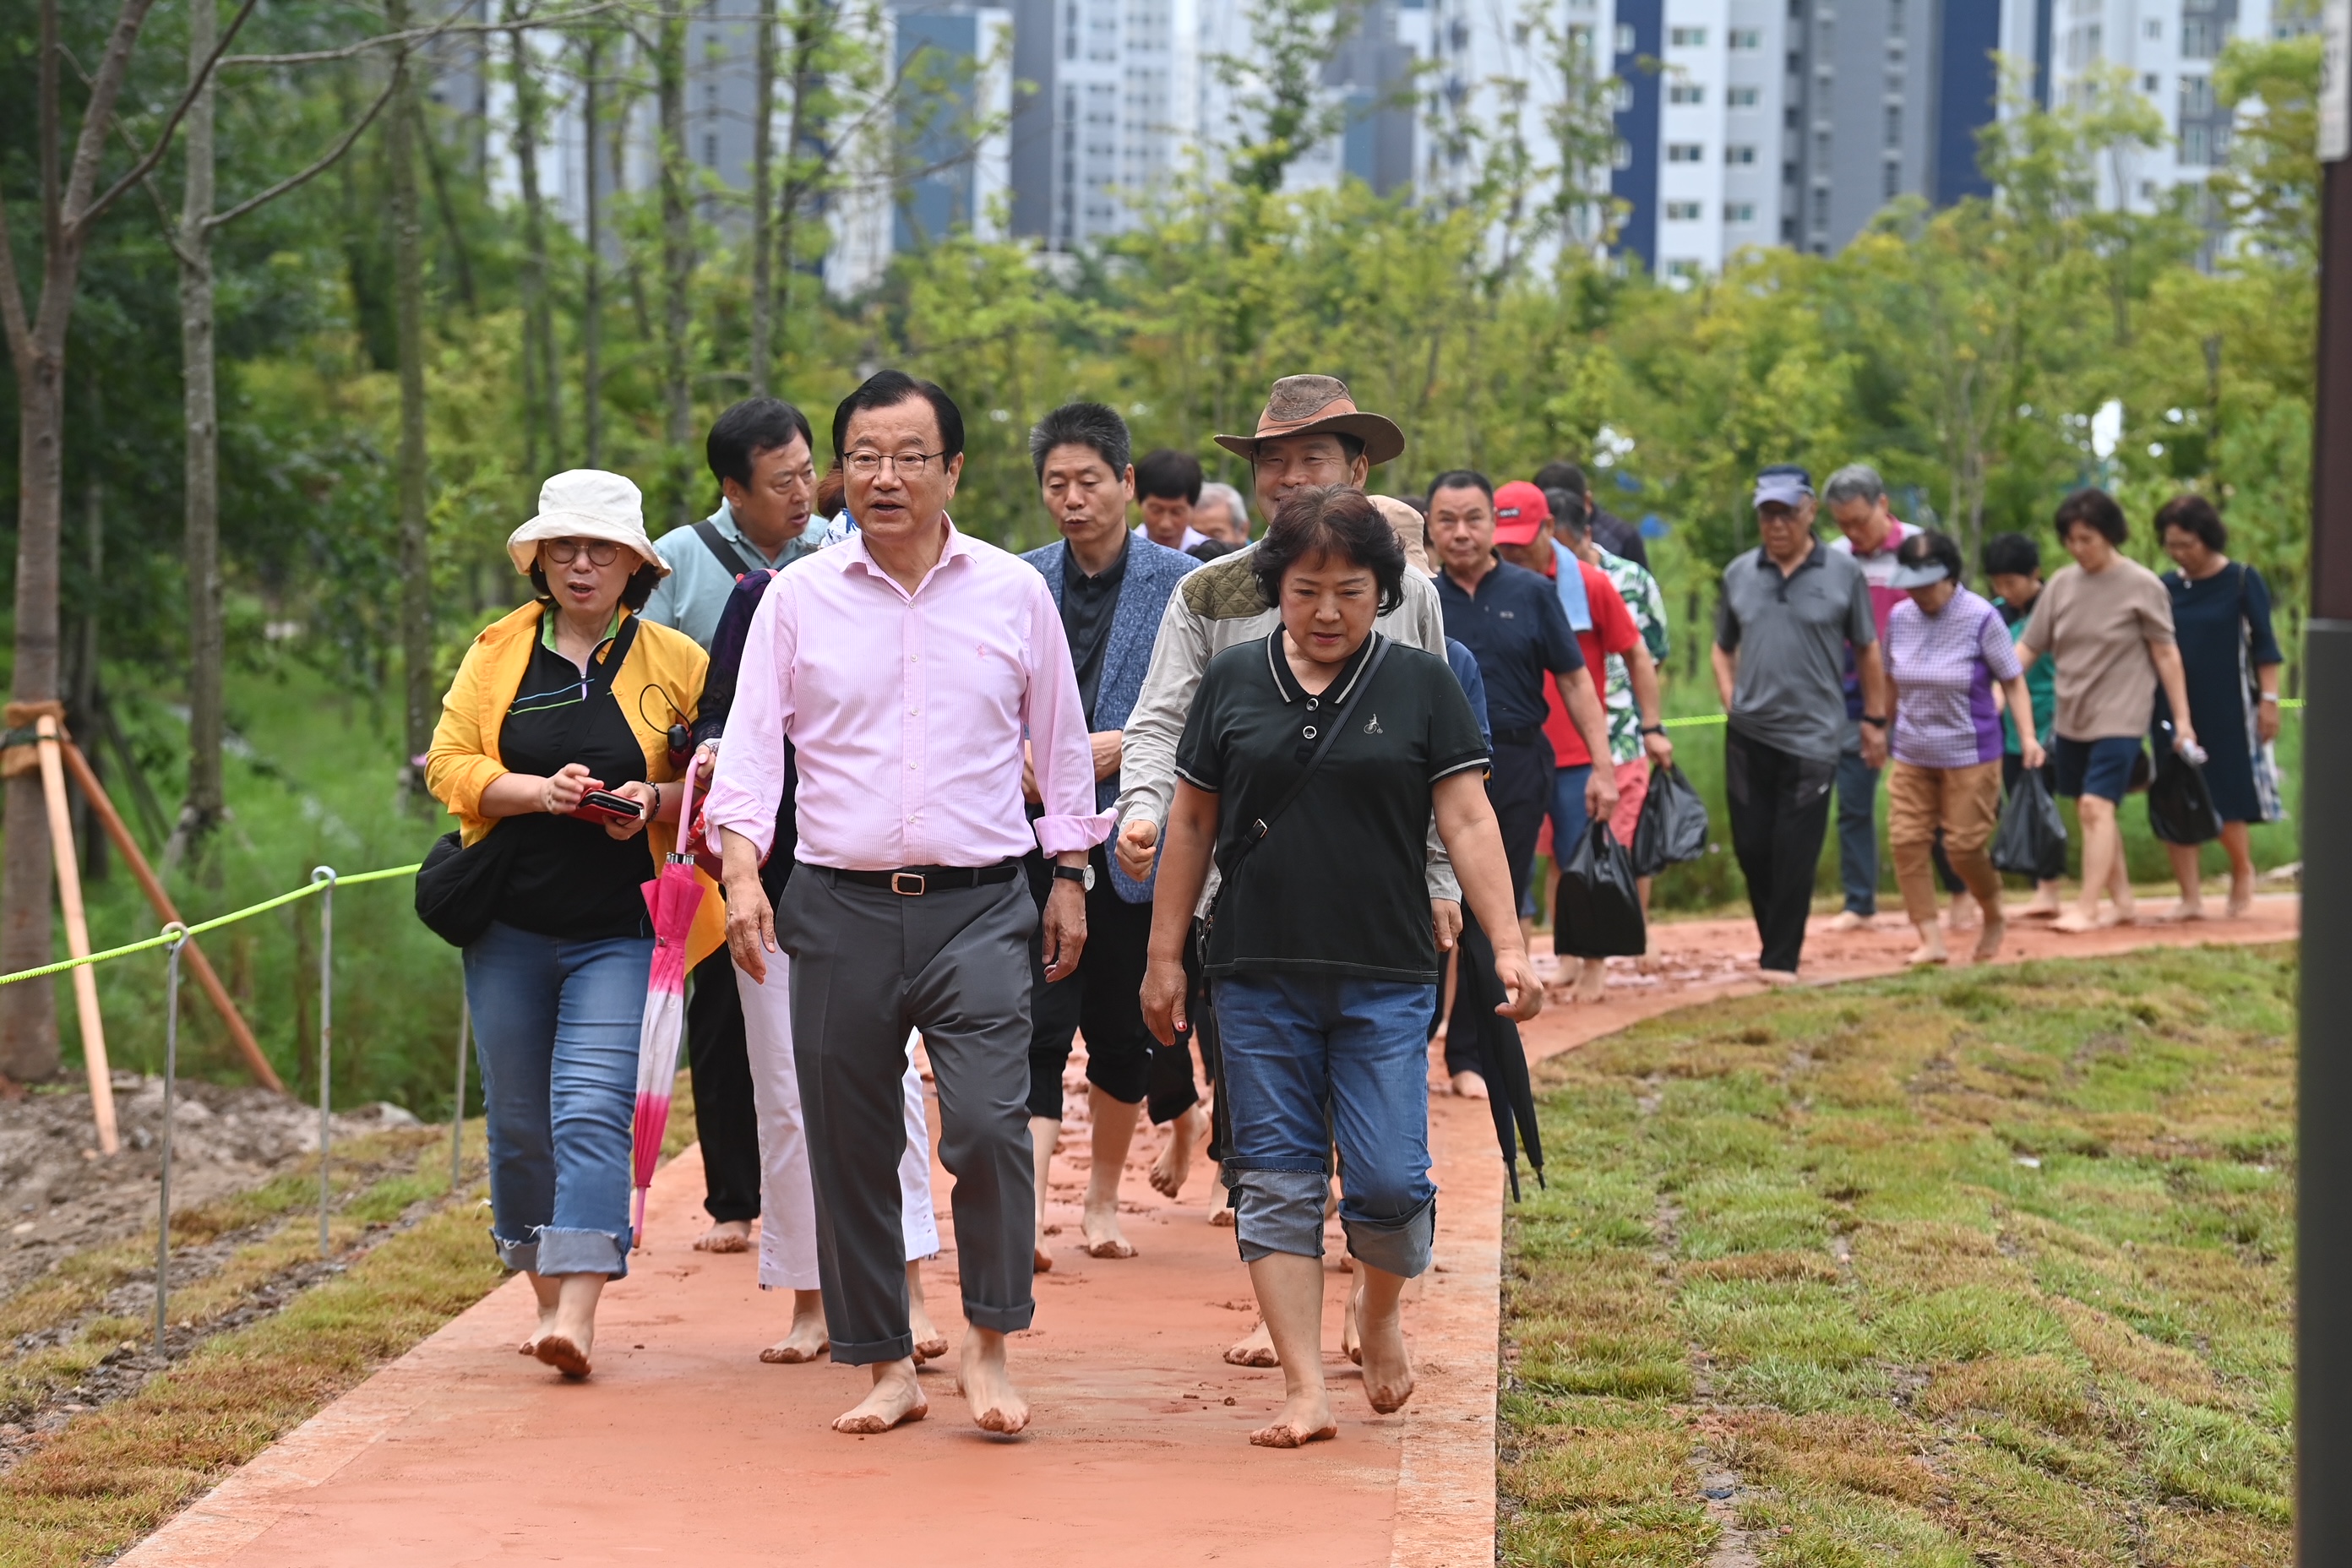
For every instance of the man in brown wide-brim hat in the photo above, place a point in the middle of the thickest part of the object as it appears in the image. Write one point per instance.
(1311, 434)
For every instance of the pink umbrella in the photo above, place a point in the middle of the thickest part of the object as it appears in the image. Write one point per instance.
(674, 898)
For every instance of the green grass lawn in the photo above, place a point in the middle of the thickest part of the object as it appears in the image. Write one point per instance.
(1992, 1266)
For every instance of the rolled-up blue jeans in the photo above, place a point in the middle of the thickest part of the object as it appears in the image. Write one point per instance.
(1857, 825)
(1310, 1061)
(555, 1028)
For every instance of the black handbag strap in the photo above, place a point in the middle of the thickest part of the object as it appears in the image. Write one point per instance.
(728, 555)
(1257, 832)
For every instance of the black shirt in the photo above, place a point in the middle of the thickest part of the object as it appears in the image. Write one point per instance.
(1087, 606)
(1337, 886)
(1620, 538)
(718, 701)
(569, 878)
(1513, 627)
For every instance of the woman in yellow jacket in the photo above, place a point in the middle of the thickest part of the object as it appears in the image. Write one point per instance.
(567, 698)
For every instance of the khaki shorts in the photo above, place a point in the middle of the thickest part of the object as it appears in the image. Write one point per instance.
(1964, 801)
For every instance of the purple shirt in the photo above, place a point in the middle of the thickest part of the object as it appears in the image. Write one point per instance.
(1944, 667)
(907, 711)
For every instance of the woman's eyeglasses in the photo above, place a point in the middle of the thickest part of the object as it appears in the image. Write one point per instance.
(564, 552)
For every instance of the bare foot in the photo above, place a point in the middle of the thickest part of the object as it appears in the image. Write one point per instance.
(558, 1352)
(2044, 905)
(806, 1340)
(1849, 919)
(894, 1398)
(2187, 909)
(1989, 940)
(1961, 916)
(1352, 1333)
(2118, 916)
(1388, 1368)
(2241, 901)
(1303, 1419)
(1257, 1349)
(996, 1406)
(930, 1343)
(2075, 923)
(1100, 1225)
(1593, 982)
(1222, 1216)
(546, 1327)
(1931, 948)
(1175, 1161)
(726, 1236)
(1777, 976)
(1470, 1086)
(1040, 1260)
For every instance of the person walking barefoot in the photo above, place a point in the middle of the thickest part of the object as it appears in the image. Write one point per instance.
(1325, 976)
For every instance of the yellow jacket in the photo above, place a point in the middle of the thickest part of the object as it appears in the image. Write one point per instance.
(464, 758)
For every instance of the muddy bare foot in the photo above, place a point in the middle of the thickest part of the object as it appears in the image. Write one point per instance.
(1175, 1161)
(1040, 1260)
(1470, 1086)
(895, 1398)
(1387, 1369)
(1303, 1419)
(1593, 982)
(1100, 1228)
(2241, 901)
(726, 1236)
(996, 1406)
(546, 1327)
(559, 1351)
(1929, 953)
(930, 1343)
(1989, 940)
(2185, 911)
(806, 1340)
(1352, 1330)
(2075, 923)
(1257, 1349)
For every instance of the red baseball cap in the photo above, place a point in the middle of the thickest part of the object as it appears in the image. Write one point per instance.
(1520, 513)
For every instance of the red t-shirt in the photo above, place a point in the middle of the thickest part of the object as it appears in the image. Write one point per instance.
(1613, 631)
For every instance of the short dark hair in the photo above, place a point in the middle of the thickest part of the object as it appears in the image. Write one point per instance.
(2093, 507)
(2193, 513)
(754, 426)
(2011, 555)
(1461, 479)
(1211, 549)
(1562, 476)
(1567, 506)
(634, 593)
(1331, 520)
(1082, 425)
(1167, 474)
(889, 388)
(1922, 545)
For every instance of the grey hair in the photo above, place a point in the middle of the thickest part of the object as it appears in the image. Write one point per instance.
(1083, 424)
(1215, 491)
(1855, 481)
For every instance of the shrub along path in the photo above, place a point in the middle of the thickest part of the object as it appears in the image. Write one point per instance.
(462, 1451)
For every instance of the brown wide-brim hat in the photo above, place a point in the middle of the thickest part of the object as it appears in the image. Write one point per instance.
(1315, 405)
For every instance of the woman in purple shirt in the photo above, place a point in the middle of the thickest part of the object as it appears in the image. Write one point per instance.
(1945, 651)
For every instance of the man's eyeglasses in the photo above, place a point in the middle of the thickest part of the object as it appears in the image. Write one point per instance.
(564, 552)
(907, 465)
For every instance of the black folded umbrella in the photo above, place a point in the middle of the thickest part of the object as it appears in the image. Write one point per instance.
(1501, 1055)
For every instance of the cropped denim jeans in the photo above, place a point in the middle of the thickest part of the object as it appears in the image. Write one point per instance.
(555, 1028)
(1311, 1061)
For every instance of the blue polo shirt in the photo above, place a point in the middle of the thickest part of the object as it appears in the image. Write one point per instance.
(1516, 630)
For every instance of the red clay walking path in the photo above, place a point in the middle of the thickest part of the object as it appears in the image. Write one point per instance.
(684, 1447)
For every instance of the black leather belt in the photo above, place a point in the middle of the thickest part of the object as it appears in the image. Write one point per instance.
(914, 881)
(1527, 737)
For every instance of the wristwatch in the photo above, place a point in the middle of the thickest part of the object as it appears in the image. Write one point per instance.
(1082, 874)
(1653, 728)
(1874, 723)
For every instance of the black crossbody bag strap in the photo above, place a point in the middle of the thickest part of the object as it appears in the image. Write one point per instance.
(726, 555)
(1257, 831)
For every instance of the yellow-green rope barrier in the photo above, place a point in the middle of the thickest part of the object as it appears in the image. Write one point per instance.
(214, 924)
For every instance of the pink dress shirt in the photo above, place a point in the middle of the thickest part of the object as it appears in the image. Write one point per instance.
(908, 713)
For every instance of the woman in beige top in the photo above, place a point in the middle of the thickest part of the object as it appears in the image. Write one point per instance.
(2108, 622)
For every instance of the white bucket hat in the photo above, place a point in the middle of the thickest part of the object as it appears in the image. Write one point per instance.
(585, 503)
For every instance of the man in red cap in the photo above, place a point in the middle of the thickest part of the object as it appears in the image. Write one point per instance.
(1513, 623)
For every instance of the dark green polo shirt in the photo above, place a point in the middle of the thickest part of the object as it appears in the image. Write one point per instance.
(1336, 887)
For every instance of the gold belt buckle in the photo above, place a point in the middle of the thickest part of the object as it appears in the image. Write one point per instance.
(899, 880)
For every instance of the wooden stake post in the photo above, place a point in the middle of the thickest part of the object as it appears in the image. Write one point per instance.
(85, 982)
(127, 847)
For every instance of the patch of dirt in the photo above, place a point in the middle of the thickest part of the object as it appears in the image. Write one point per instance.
(58, 1195)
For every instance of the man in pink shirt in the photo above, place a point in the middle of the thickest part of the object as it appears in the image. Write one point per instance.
(905, 666)
(1855, 498)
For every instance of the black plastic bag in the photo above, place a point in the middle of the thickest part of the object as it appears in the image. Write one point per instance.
(2179, 807)
(2031, 838)
(1599, 913)
(1672, 826)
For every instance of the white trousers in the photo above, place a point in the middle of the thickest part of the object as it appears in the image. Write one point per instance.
(787, 1198)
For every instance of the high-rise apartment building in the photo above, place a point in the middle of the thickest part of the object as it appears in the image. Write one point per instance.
(1109, 107)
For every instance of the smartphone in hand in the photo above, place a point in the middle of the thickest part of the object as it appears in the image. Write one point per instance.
(604, 805)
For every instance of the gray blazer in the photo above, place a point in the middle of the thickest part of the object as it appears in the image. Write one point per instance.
(1152, 573)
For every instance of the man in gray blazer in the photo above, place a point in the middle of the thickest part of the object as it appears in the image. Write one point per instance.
(1112, 588)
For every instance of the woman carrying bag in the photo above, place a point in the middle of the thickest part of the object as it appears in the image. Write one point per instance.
(553, 752)
(1310, 765)
(2221, 616)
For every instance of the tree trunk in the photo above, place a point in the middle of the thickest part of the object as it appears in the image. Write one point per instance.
(29, 1016)
(592, 292)
(408, 292)
(542, 380)
(82, 697)
(763, 109)
(678, 262)
(200, 407)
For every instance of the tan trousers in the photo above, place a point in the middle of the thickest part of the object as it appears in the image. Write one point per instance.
(1966, 804)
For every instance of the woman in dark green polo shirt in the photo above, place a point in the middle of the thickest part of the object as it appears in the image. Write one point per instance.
(1320, 953)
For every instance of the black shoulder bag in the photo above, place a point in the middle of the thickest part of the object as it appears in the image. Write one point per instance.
(459, 885)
